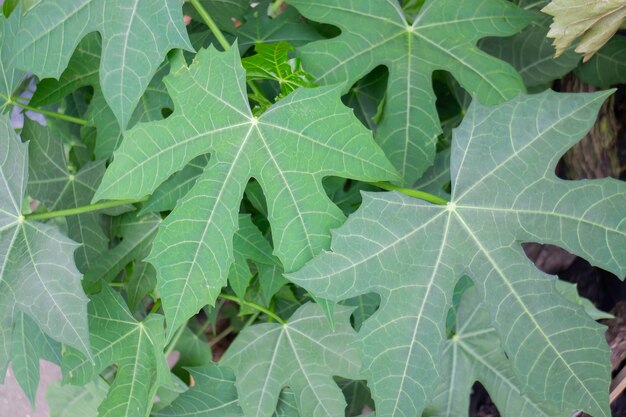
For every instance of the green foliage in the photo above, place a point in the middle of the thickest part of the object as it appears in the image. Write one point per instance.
(216, 118)
(135, 38)
(175, 205)
(38, 275)
(442, 36)
(412, 253)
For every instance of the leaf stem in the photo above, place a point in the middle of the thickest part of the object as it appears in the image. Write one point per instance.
(217, 32)
(175, 339)
(221, 336)
(254, 306)
(155, 306)
(422, 195)
(211, 24)
(275, 7)
(60, 116)
(80, 210)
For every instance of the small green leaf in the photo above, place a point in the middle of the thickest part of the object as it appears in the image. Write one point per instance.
(29, 345)
(141, 283)
(137, 235)
(214, 395)
(302, 354)
(76, 401)
(272, 62)
(10, 77)
(607, 66)
(135, 347)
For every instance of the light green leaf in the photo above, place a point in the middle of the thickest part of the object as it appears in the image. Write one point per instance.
(504, 192)
(366, 96)
(165, 197)
(442, 36)
(83, 70)
(38, 276)
(30, 344)
(214, 395)
(436, 179)
(531, 53)
(51, 182)
(76, 401)
(607, 66)
(593, 21)
(272, 62)
(135, 347)
(302, 354)
(472, 354)
(259, 28)
(271, 280)
(289, 149)
(137, 235)
(10, 77)
(141, 282)
(136, 35)
(248, 244)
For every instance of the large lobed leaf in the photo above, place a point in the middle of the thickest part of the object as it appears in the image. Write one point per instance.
(289, 149)
(136, 35)
(504, 192)
(38, 276)
(443, 36)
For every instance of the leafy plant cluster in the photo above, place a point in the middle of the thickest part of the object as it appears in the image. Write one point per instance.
(292, 171)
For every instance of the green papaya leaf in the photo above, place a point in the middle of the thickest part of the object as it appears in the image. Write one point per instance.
(165, 197)
(531, 53)
(141, 282)
(135, 347)
(76, 401)
(473, 354)
(136, 36)
(38, 276)
(303, 354)
(607, 66)
(289, 149)
(248, 244)
(288, 26)
(366, 97)
(443, 36)
(10, 77)
(29, 345)
(51, 182)
(214, 395)
(83, 70)
(504, 192)
(137, 233)
(272, 62)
